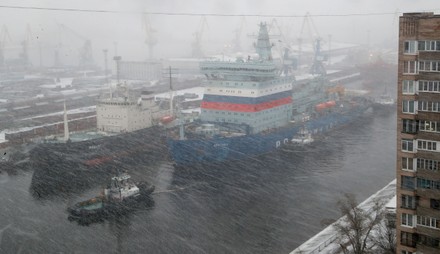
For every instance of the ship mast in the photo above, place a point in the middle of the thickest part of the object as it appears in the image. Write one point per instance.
(66, 125)
(263, 45)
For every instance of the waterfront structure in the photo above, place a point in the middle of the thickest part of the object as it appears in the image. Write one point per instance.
(418, 134)
(147, 70)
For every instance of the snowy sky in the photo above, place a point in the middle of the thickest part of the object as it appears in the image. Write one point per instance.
(338, 19)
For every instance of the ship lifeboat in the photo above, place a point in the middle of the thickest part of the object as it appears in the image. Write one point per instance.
(166, 119)
(330, 104)
(325, 105)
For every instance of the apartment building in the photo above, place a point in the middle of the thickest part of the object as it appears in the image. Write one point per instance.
(418, 134)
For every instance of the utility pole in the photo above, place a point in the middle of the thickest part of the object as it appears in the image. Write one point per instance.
(169, 74)
(105, 65)
(329, 49)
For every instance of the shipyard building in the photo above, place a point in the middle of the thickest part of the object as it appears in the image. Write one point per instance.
(418, 134)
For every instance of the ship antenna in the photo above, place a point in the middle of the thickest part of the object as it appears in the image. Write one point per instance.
(66, 124)
(117, 60)
(181, 129)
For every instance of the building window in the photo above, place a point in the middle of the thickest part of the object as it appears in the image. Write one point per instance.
(435, 204)
(429, 126)
(429, 66)
(408, 202)
(407, 145)
(428, 45)
(428, 222)
(408, 106)
(409, 126)
(428, 184)
(429, 106)
(410, 67)
(408, 239)
(428, 241)
(427, 164)
(407, 183)
(409, 87)
(408, 220)
(410, 47)
(407, 164)
(427, 145)
(428, 86)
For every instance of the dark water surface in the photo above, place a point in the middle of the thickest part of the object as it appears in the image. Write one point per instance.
(268, 205)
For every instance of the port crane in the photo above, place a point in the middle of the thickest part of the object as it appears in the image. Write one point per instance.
(237, 36)
(23, 58)
(197, 50)
(4, 36)
(85, 52)
(313, 38)
(150, 40)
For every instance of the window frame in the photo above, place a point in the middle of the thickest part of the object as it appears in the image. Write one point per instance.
(407, 220)
(410, 67)
(406, 144)
(410, 47)
(406, 87)
(408, 105)
(408, 164)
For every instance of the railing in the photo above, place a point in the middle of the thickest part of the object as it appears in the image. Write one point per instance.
(321, 247)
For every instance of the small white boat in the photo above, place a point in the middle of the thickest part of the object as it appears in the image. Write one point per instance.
(385, 100)
(121, 188)
(303, 137)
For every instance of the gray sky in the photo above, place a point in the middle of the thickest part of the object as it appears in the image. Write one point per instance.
(175, 33)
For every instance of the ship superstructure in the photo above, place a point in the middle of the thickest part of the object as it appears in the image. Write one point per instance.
(247, 92)
(127, 129)
(124, 113)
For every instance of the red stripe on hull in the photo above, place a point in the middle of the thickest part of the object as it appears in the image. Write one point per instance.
(245, 107)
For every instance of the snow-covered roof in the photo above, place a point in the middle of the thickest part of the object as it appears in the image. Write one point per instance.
(392, 204)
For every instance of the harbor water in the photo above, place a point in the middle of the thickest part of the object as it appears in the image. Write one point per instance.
(269, 204)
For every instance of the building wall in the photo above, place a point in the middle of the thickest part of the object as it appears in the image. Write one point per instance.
(418, 137)
(122, 116)
(148, 71)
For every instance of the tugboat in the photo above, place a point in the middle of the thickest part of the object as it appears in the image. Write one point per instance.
(120, 194)
(122, 190)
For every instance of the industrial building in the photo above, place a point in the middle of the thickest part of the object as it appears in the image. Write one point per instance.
(147, 70)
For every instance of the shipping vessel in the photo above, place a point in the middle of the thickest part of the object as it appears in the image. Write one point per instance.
(127, 129)
(250, 108)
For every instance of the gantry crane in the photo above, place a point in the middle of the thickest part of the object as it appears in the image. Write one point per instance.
(24, 55)
(85, 52)
(313, 36)
(197, 50)
(150, 39)
(237, 38)
(4, 36)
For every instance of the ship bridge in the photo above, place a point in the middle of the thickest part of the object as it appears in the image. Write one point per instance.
(239, 70)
